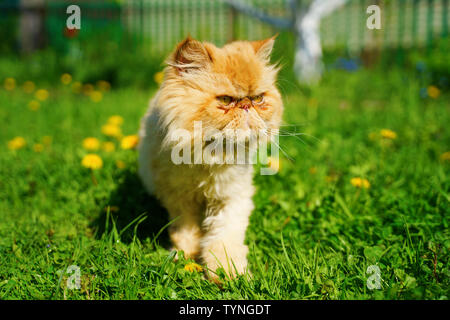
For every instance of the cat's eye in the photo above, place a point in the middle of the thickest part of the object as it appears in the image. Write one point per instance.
(258, 99)
(224, 100)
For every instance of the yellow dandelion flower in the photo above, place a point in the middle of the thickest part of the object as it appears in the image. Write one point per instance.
(76, 87)
(388, 134)
(47, 140)
(34, 105)
(129, 142)
(91, 143)
(9, 84)
(433, 92)
(159, 77)
(365, 184)
(96, 96)
(92, 161)
(115, 120)
(38, 147)
(120, 164)
(41, 94)
(445, 156)
(360, 183)
(28, 86)
(313, 170)
(191, 267)
(66, 79)
(274, 163)
(16, 143)
(111, 130)
(108, 146)
(103, 85)
(87, 89)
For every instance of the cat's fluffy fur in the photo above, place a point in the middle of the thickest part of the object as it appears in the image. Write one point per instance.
(211, 203)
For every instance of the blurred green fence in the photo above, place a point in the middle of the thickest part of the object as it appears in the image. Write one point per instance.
(160, 24)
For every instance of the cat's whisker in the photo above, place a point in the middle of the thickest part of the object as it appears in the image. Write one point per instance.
(292, 134)
(302, 124)
(295, 135)
(278, 146)
(286, 81)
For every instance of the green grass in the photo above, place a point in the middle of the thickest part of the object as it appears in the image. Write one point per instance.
(312, 235)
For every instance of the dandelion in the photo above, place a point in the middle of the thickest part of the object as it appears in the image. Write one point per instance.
(115, 120)
(66, 79)
(129, 142)
(108, 146)
(87, 89)
(76, 87)
(103, 85)
(16, 143)
(9, 84)
(360, 183)
(92, 161)
(28, 86)
(34, 105)
(445, 156)
(38, 147)
(313, 170)
(41, 94)
(159, 77)
(274, 163)
(120, 164)
(96, 96)
(191, 267)
(433, 92)
(111, 130)
(388, 134)
(91, 143)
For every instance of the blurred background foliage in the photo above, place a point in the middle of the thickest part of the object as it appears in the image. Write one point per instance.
(125, 42)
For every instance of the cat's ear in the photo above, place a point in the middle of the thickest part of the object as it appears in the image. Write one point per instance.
(190, 54)
(263, 48)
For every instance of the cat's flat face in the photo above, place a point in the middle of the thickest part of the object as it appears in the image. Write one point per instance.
(226, 88)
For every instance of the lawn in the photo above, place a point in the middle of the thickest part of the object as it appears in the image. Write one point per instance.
(366, 184)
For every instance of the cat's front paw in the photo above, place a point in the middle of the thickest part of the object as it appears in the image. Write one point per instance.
(233, 259)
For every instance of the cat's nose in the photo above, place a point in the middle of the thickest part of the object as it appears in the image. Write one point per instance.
(245, 104)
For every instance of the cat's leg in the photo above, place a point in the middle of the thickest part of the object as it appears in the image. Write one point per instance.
(223, 242)
(185, 231)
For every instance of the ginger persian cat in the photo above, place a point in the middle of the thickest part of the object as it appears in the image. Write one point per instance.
(232, 87)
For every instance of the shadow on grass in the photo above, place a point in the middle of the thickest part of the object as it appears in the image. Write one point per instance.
(128, 202)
